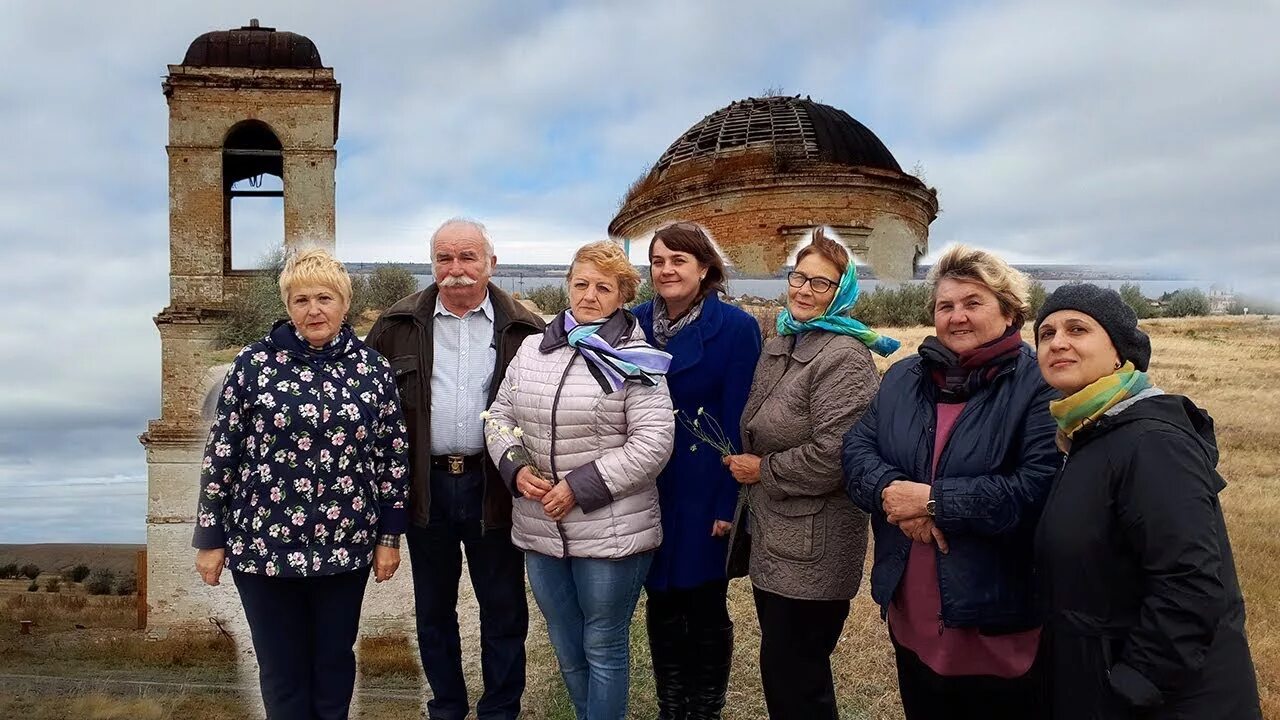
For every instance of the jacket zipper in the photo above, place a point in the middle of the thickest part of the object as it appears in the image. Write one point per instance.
(555, 404)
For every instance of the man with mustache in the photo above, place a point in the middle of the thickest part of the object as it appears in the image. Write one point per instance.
(449, 346)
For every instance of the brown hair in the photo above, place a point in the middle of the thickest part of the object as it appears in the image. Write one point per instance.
(829, 249)
(689, 238)
(610, 258)
(969, 264)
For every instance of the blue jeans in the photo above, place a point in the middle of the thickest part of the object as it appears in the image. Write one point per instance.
(588, 604)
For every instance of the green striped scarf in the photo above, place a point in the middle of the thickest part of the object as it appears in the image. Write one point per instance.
(1094, 400)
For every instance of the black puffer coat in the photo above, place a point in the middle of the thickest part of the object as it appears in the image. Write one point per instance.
(1145, 615)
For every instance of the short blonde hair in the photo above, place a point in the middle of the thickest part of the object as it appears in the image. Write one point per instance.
(610, 258)
(315, 267)
(969, 264)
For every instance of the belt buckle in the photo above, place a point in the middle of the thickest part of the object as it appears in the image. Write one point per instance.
(455, 464)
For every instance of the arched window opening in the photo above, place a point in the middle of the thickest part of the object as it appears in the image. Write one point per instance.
(253, 185)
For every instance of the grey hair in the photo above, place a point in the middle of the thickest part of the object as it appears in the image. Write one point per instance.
(474, 224)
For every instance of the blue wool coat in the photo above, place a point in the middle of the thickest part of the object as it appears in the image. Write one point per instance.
(713, 360)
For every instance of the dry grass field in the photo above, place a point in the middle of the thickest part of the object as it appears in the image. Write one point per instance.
(1230, 366)
(56, 557)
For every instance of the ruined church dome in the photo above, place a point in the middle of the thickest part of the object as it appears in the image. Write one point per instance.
(761, 173)
(252, 46)
(805, 129)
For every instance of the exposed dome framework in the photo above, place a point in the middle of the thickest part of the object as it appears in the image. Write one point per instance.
(802, 127)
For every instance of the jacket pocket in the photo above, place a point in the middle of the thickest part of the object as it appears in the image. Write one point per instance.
(795, 529)
(405, 368)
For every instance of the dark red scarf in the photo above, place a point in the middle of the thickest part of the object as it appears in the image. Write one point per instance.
(959, 376)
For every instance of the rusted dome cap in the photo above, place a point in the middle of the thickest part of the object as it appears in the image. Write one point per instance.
(252, 46)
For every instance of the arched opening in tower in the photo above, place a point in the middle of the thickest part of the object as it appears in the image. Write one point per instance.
(253, 188)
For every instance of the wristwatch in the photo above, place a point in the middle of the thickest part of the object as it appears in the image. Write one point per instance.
(931, 507)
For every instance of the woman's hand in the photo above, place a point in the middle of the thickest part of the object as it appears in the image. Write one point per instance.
(558, 501)
(904, 500)
(720, 528)
(530, 484)
(386, 560)
(209, 564)
(745, 468)
(924, 531)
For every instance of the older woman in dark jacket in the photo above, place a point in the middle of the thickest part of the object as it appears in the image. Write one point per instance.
(1146, 619)
(303, 489)
(953, 461)
(714, 347)
(808, 541)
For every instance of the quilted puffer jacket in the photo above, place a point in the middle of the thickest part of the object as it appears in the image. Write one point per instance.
(609, 447)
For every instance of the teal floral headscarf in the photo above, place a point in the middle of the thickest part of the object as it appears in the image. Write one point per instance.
(834, 318)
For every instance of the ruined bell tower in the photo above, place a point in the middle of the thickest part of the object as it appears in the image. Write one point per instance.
(243, 104)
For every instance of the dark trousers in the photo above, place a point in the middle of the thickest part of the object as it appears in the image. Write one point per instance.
(797, 638)
(304, 631)
(691, 645)
(927, 695)
(497, 575)
(704, 606)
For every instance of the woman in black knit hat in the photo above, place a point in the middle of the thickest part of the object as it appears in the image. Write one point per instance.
(1145, 616)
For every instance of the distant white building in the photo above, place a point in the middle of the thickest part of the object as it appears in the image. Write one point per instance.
(1220, 300)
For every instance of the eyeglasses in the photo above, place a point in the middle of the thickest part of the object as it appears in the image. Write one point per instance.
(820, 285)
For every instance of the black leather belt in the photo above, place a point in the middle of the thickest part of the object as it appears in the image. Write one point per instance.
(458, 464)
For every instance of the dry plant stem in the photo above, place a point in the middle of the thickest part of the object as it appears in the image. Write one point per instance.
(713, 435)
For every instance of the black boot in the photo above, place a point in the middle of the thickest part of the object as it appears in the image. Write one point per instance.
(712, 657)
(669, 648)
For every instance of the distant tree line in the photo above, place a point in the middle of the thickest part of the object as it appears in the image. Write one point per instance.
(907, 305)
(102, 581)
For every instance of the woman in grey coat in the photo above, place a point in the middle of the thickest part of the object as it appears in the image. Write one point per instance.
(580, 429)
(807, 540)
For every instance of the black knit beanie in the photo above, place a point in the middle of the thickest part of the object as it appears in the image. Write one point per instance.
(1112, 313)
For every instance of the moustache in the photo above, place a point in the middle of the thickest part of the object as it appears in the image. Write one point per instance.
(458, 281)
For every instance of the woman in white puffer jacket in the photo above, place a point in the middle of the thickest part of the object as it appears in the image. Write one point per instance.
(580, 429)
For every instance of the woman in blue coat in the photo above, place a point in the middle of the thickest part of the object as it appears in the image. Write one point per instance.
(714, 347)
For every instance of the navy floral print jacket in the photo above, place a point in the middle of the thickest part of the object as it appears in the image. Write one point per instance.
(307, 460)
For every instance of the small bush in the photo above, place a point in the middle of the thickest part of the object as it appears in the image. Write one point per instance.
(8, 571)
(53, 585)
(128, 585)
(30, 571)
(904, 306)
(550, 299)
(252, 314)
(1035, 299)
(1191, 302)
(33, 587)
(644, 294)
(1132, 295)
(78, 573)
(359, 297)
(387, 284)
(100, 582)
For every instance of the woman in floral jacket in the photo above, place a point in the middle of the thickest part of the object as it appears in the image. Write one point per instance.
(303, 487)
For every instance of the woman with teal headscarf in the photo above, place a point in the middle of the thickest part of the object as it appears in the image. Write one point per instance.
(807, 540)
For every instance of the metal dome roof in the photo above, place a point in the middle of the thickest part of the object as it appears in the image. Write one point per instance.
(820, 132)
(252, 46)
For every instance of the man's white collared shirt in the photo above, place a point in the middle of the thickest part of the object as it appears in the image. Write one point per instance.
(464, 353)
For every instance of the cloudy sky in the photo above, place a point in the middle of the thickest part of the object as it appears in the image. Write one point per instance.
(1081, 131)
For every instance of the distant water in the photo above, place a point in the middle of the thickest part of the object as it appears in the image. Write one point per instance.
(770, 288)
